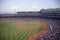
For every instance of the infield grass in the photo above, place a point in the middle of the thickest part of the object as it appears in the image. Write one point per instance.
(30, 23)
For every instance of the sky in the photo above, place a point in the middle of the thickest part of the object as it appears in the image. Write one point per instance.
(27, 5)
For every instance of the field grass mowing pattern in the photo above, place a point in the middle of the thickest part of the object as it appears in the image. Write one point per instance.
(8, 31)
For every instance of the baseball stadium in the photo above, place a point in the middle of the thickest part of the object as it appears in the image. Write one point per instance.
(29, 19)
(29, 26)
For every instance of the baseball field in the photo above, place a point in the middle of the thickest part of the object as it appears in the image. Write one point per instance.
(22, 30)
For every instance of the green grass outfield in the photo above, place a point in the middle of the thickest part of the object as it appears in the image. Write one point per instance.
(8, 31)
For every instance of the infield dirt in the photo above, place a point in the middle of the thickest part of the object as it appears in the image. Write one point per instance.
(22, 25)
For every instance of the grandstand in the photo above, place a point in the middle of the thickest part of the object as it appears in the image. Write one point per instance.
(48, 13)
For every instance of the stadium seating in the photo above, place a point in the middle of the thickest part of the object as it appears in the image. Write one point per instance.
(54, 34)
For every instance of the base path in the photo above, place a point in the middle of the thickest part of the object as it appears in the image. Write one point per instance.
(36, 35)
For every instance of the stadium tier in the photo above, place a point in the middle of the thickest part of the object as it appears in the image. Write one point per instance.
(48, 13)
